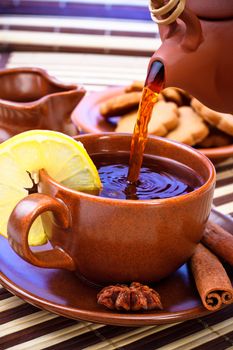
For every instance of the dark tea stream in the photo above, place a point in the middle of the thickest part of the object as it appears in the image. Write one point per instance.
(153, 85)
(137, 176)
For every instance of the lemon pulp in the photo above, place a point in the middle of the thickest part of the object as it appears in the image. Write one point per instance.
(64, 159)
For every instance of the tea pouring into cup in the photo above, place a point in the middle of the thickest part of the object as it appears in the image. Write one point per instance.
(106, 240)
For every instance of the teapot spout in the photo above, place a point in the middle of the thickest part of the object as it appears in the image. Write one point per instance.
(180, 74)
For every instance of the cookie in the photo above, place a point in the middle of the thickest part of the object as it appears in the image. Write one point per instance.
(172, 94)
(191, 128)
(160, 97)
(163, 119)
(222, 121)
(120, 104)
(186, 97)
(216, 138)
(135, 86)
(127, 122)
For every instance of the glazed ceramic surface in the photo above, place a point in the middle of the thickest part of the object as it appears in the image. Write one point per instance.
(31, 99)
(211, 9)
(88, 118)
(197, 52)
(61, 292)
(111, 240)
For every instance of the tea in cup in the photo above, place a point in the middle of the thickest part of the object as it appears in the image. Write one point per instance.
(122, 234)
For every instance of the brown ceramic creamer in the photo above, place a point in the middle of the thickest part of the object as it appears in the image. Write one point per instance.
(109, 240)
(197, 50)
(31, 99)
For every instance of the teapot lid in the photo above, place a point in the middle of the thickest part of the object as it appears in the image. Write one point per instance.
(211, 9)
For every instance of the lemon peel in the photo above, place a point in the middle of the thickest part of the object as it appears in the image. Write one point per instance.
(64, 159)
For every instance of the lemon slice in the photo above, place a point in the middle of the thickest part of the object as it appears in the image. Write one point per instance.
(21, 158)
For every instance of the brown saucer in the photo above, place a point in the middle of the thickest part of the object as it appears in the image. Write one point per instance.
(61, 292)
(86, 116)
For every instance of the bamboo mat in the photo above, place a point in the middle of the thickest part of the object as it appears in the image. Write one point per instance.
(93, 71)
(101, 26)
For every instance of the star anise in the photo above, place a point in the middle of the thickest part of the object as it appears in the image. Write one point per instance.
(135, 297)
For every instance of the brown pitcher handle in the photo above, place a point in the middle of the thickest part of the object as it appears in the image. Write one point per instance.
(20, 222)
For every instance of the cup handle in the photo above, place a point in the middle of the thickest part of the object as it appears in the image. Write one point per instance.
(20, 222)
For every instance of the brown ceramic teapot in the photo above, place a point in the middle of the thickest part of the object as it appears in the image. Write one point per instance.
(197, 50)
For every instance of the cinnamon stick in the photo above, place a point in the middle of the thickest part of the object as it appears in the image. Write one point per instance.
(219, 241)
(213, 284)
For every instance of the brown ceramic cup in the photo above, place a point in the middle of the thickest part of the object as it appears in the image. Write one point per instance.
(112, 240)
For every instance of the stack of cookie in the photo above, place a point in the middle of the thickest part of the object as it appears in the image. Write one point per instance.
(176, 115)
